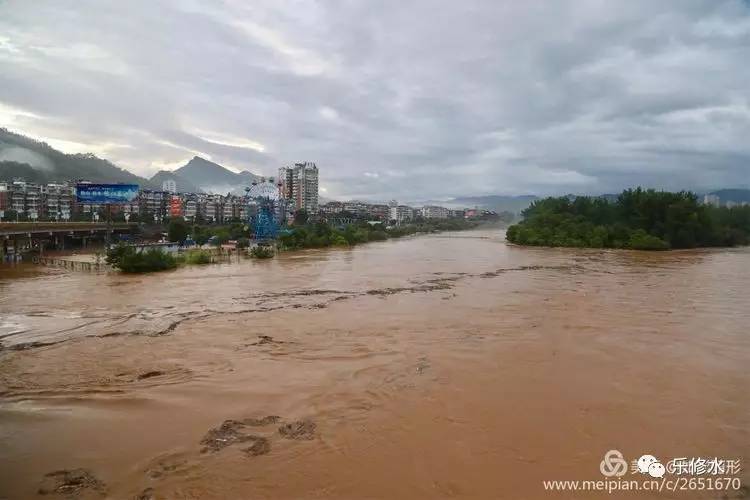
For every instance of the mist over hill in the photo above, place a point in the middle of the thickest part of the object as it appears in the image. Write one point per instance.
(498, 203)
(735, 195)
(183, 185)
(43, 163)
(37, 161)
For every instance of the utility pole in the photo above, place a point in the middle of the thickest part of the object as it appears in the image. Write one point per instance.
(108, 235)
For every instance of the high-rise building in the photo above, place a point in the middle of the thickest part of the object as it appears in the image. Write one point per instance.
(170, 186)
(59, 201)
(299, 183)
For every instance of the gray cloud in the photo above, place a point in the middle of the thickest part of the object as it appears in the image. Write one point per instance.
(393, 99)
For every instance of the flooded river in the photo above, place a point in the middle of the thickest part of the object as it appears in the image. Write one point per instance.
(448, 365)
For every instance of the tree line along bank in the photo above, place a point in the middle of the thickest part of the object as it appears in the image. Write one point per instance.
(639, 219)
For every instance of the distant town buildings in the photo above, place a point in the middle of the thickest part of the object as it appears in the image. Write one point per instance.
(716, 201)
(400, 213)
(349, 211)
(711, 199)
(434, 212)
(298, 189)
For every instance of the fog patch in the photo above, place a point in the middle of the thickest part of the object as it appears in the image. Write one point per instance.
(23, 155)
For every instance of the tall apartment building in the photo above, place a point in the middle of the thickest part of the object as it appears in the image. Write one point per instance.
(233, 207)
(25, 198)
(192, 207)
(154, 203)
(299, 183)
(170, 186)
(4, 197)
(59, 200)
(212, 208)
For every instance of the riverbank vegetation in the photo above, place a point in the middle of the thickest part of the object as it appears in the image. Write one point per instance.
(129, 260)
(638, 219)
(322, 235)
(318, 235)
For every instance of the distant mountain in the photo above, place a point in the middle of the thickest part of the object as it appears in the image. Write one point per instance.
(213, 178)
(497, 203)
(183, 185)
(735, 195)
(43, 163)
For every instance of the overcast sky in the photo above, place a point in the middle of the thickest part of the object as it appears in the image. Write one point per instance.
(393, 99)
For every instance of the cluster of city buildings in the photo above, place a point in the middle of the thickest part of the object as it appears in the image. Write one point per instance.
(57, 202)
(38, 201)
(297, 187)
(716, 201)
(392, 211)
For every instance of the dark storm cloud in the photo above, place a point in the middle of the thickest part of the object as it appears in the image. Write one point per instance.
(393, 99)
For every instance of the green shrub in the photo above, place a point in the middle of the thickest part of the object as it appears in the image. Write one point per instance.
(641, 240)
(128, 260)
(262, 252)
(378, 236)
(115, 254)
(339, 241)
(197, 257)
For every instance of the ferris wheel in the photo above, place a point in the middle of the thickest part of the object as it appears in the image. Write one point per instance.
(264, 193)
(264, 189)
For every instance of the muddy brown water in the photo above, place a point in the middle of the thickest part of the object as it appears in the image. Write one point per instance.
(449, 365)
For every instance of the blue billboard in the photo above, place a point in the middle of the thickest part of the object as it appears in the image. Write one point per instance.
(106, 193)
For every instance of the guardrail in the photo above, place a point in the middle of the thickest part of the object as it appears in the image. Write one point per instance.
(38, 227)
(73, 265)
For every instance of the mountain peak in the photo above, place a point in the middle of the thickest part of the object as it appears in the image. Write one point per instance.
(212, 177)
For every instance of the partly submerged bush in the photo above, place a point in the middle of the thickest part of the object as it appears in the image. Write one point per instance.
(129, 260)
(197, 256)
(262, 252)
(641, 240)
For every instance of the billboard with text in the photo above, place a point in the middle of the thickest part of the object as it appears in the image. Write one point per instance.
(106, 193)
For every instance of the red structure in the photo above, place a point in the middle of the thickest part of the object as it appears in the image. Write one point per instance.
(175, 207)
